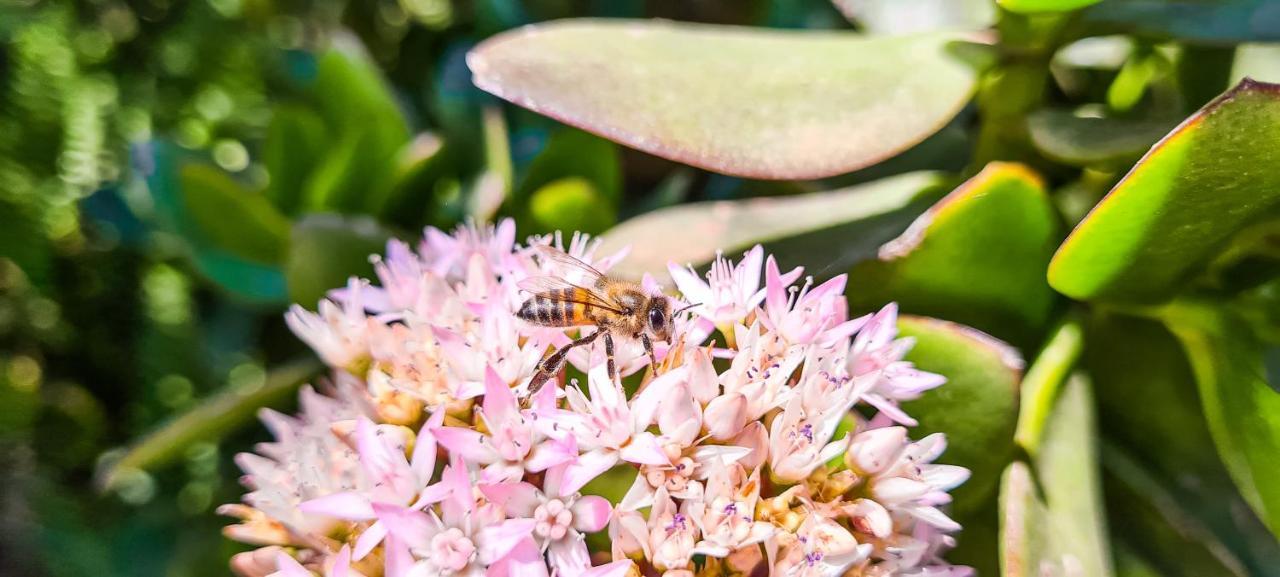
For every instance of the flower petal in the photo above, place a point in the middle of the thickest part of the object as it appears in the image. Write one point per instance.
(588, 466)
(348, 505)
(413, 528)
(518, 499)
(525, 560)
(370, 539)
(287, 566)
(499, 402)
(591, 513)
(495, 541)
(470, 444)
(645, 449)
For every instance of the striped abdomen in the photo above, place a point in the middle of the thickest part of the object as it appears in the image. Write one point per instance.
(557, 308)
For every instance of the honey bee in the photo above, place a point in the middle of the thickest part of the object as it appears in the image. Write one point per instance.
(614, 307)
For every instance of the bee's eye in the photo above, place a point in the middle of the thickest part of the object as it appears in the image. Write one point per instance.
(657, 319)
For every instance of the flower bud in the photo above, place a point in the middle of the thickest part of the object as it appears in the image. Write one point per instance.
(870, 517)
(873, 451)
(725, 416)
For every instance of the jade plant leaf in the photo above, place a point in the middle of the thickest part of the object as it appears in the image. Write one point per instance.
(367, 122)
(977, 408)
(759, 103)
(1052, 519)
(1085, 141)
(1150, 409)
(844, 224)
(1040, 388)
(1180, 205)
(1242, 410)
(326, 250)
(231, 218)
(1156, 523)
(976, 257)
(1217, 22)
(294, 145)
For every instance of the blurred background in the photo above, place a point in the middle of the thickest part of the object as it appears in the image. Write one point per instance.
(174, 173)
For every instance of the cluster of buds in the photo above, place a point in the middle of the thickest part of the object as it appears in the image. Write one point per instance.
(768, 439)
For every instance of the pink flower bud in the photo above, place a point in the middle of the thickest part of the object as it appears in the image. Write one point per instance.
(726, 416)
(874, 450)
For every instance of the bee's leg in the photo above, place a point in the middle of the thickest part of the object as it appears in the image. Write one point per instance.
(551, 366)
(648, 348)
(608, 353)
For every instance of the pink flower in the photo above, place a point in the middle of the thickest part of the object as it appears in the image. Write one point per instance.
(798, 442)
(347, 481)
(513, 445)
(284, 473)
(726, 513)
(449, 256)
(465, 540)
(338, 333)
(876, 353)
(670, 535)
(730, 292)
(394, 479)
(914, 485)
(806, 316)
(761, 370)
(339, 566)
(819, 548)
(560, 518)
(605, 428)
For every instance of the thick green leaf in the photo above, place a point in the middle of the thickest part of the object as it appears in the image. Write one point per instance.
(358, 104)
(248, 281)
(326, 250)
(748, 102)
(842, 225)
(1045, 533)
(1215, 22)
(1040, 6)
(1243, 411)
(571, 204)
(295, 143)
(230, 218)
(208, 421)
(1085, 141)
(1040, 388)
(977, 408)
(1149, 408)
(976, 257)
(1156, 523)
(1180, 204)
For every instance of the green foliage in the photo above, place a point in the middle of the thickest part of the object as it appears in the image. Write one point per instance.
(1052, 514)
(803, 105)
(1213, 164)
(978, 256)
(978, 407)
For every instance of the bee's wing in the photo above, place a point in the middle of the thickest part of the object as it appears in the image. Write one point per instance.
(560, 290)
(590, 276)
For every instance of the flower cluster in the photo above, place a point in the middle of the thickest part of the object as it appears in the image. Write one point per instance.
(769, 438)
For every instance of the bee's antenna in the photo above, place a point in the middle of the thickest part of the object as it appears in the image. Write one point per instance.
(685, 308)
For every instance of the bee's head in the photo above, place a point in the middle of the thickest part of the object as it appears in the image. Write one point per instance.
(658, 318)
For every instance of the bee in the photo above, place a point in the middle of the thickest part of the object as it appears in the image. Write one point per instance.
(613, 306)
